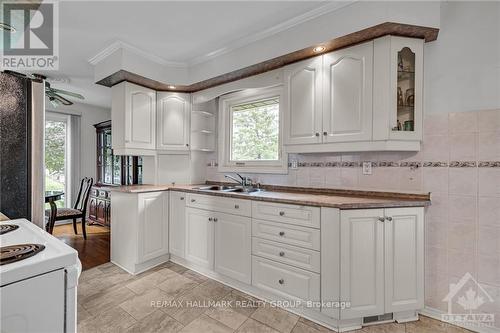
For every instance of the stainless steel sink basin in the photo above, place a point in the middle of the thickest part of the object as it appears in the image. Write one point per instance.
(225, 188)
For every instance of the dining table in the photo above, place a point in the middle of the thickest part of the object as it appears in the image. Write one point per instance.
(51, 197)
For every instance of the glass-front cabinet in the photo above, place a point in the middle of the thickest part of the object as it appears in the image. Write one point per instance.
(406, 85)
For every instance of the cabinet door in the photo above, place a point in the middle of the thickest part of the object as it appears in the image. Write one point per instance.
(347, 94)
(173, 121)
(199, 237)
(362, 262)
(404, 259)
(233, 239)
(140, 120)
(303, 104)
(101, 212)
(406, 87)
(153, 225)
(93, 209)
(177, 221)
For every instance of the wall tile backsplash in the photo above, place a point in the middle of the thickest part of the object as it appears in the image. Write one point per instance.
(460, 165)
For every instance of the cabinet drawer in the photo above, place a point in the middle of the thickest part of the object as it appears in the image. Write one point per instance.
(287, 254)
(287, 281)
(293, 214)
(220, 204)
(285, 233)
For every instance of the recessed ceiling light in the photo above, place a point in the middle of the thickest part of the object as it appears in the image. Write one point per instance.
(7, 27)
(171, 87)
(319, 49)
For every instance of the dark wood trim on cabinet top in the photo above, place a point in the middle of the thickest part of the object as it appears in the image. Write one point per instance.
(383, 29)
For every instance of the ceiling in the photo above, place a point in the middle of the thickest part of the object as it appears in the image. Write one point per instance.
(181, 32)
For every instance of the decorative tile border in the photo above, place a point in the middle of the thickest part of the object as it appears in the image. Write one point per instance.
(390, 164)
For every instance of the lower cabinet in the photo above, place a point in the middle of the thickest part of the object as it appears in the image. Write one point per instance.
(139, 222)
(177, 224)
(381, 261)
(233, 245)
(200, 237)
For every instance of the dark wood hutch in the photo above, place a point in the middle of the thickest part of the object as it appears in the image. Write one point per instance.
(112, 170)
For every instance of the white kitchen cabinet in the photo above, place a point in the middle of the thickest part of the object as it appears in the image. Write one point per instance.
(404, 259)
(200, 237)
(173, 125)
(362, 262)
(347, 94)
(303, 118)
(398, 89)
(381, 261)
(177, 223)
(139, 221)
(133, 113)
(233, 238)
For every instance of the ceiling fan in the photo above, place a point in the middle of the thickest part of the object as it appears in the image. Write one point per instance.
(53, 94)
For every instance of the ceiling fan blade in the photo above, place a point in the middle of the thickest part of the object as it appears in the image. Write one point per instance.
(69, 93)
(61, 99)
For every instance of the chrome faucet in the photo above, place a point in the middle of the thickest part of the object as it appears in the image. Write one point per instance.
(243, 181)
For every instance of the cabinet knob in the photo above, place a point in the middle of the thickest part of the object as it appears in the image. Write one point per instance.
(317, 134)
(282, 213)
(215, 219)
(281, 281)
(237, 206)
(282, 233)
(182, 198)
(325, 133)
(187, 144)
(210, 219)
(282, 254)
(381, 219)
(388, 218)
(193, 200)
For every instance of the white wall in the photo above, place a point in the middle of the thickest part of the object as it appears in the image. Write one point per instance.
(462, 67)
(89, 115)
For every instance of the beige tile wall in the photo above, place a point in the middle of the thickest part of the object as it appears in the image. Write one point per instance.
(463, 223)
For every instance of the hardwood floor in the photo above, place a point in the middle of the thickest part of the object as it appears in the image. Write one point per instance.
(92, 252)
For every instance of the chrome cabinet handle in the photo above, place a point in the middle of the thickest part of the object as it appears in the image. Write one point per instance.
(282, 233)
(282, 254)
(381, 219)
(325, 133)
(237, 206)
(282, 213)
(317, 134)
(193, 200)
(182, 198)
(281, 281)
(210, 219)
(388, 218)
(215, 219)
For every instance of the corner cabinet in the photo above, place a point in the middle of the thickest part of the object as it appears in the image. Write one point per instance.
(133, 111)
(139, 221)
(173, 112)
(366, 97)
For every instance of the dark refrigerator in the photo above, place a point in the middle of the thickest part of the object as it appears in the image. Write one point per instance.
(22, 121)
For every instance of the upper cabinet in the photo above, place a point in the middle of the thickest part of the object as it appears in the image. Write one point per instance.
(133, 112)
(303, 120)
(347, 94)
(365, 97)
(173, 117)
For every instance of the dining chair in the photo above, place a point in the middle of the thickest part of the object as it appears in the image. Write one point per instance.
(79, 210)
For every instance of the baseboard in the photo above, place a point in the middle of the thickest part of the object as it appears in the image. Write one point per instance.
(436, 314)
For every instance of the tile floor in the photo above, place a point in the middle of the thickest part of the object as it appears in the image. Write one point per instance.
(111, 300)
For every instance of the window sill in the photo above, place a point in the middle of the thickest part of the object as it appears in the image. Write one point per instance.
(281, 169)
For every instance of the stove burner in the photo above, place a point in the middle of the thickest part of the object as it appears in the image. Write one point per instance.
(5, 228)
(13, 253)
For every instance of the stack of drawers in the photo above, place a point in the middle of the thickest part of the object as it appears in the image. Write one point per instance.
(285, 250)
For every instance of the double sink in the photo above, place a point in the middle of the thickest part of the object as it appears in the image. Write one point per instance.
(226, 188)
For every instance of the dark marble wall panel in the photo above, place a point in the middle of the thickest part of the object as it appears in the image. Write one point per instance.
(15, 192)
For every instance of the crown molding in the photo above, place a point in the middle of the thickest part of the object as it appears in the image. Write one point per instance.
(117, 45)
(241, 42)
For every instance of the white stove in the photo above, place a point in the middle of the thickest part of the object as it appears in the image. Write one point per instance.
(38, 279)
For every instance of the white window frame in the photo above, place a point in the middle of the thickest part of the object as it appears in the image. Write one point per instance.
(279, 166)
(53, 116)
